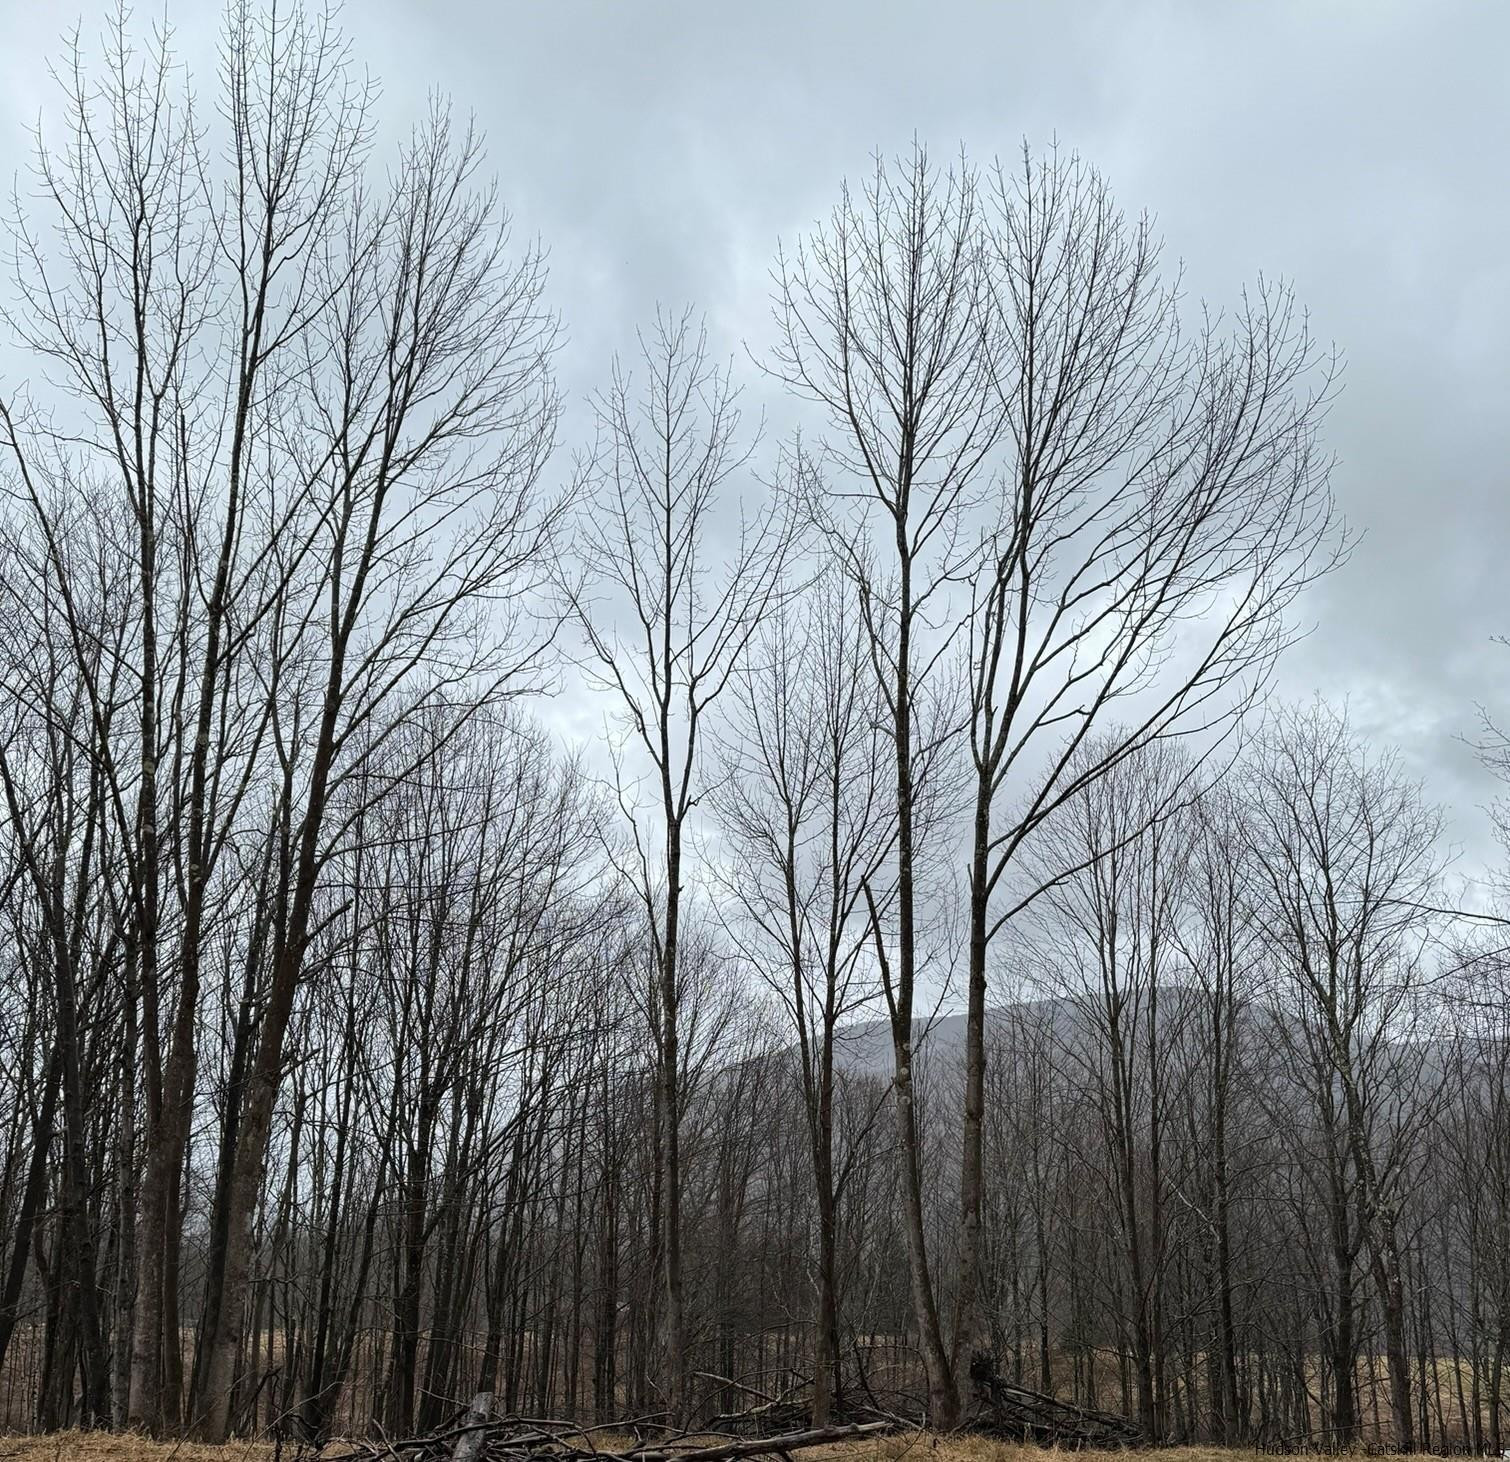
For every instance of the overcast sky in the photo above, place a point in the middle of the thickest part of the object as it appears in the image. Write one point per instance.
(1359, 150)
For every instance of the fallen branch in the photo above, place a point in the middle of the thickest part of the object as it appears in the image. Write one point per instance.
(759, 1446)
(480, 1437)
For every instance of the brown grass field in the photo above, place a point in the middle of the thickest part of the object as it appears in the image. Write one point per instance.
(107, 1447)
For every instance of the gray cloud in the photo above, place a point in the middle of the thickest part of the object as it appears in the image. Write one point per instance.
(1358, 149)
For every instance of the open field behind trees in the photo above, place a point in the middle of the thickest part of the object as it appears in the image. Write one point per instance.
(366, 1044)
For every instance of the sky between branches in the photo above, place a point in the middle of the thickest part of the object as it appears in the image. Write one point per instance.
(660, 150)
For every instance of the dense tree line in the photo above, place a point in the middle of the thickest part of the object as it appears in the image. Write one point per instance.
(365, 1044)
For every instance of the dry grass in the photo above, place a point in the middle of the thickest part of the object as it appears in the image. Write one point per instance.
(927, 1448)
(117, 1447)
(107, 1447)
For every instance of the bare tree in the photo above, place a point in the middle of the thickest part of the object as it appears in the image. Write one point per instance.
(803, 808)
(1346, 850)
(117, 313)
(1118, 917)
(1131, 513)
(60, 827)
(1220, 946)
(666, 629)
(885, 318)
(1160, 504)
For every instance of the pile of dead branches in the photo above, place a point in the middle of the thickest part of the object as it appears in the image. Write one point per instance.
(778, 1418)
(778, 1428)
(1005, 1409)
(480, 1436)
(791, 1409)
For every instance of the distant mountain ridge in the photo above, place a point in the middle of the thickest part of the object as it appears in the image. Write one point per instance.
(864, 1048)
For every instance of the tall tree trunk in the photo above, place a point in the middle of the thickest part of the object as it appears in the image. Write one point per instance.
(968, 1327)
(673, 1319)
(31, 1199)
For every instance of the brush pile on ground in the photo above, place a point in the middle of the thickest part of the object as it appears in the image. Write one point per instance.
(783, 1417)
(778, 1429)
(479, 1436)
(1004, 1409)
(996, 1408)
